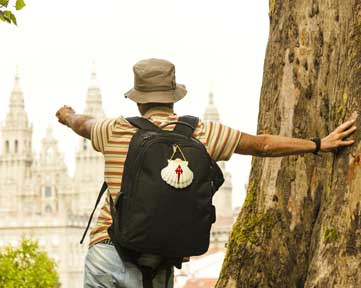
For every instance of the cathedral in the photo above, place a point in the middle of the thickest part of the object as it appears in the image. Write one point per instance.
(39, 199)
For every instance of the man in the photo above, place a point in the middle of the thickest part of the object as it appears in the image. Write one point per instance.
(155, 90)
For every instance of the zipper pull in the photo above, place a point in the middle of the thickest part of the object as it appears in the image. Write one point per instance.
(145, 139)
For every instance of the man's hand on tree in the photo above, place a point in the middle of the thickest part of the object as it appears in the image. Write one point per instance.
(336, 138)
(63, 114)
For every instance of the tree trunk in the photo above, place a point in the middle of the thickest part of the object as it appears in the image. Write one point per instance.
(300, 225)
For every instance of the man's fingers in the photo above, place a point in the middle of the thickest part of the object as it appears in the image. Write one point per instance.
(348, 132)
(345, 126)
(347, 143)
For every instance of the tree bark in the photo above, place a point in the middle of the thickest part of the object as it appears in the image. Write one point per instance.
(300, 225)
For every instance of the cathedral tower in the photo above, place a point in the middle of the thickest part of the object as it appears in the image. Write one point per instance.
(16, 156)
(89, 172)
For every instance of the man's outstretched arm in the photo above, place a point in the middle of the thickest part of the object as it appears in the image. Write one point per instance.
(276, 146)
(80, 124)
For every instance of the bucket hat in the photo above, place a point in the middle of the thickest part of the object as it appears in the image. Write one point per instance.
(154, 82)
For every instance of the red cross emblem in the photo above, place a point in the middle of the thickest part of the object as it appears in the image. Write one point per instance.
(179, 171)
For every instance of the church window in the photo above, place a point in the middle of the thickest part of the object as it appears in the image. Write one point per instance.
(48, 192)
(48, 209)
(49, 155)
(84, 145)
(7, 146)
(16, 146)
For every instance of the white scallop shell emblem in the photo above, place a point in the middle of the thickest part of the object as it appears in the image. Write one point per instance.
(177, 173)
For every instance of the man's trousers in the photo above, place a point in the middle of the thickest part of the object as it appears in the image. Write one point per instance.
(105, 269)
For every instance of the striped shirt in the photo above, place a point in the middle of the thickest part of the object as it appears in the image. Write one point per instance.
(112, 137)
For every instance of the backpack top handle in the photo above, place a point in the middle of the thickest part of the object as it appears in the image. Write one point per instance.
(177, 122)
(185, 124)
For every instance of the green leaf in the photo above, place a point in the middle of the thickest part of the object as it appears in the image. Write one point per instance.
(20, 4)
(13, 18)
(4, 18)
(9, 17)
(4, 3)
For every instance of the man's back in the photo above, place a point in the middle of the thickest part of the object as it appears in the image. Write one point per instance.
(112, 138)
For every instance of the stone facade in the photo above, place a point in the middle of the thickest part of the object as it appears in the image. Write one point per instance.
(38, 198)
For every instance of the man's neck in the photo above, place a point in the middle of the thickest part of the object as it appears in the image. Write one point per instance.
(156, 109)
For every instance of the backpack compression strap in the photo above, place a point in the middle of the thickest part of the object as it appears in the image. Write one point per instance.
(185, 129)
(142, 123)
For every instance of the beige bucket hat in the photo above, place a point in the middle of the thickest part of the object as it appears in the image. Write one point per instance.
(154, 82)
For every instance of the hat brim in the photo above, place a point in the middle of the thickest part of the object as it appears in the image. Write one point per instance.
(170, 96)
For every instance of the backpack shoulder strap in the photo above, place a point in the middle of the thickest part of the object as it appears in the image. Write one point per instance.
(185, 129)
(102, 190)
(142, 123)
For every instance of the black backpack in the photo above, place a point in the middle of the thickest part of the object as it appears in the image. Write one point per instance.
(152, 214)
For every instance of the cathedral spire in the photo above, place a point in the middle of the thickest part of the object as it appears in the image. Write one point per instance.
(16, 98)
(94, 97)
(211, 112)
(17, 116)
(211, 100)
(93, 81)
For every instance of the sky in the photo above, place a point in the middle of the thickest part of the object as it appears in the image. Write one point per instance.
(216, 46)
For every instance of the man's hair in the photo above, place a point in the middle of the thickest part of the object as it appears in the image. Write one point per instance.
(147, 106)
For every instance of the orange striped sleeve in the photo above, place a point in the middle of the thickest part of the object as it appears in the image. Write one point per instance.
(99, 229)
(100, 134)
(220, 140)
